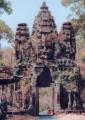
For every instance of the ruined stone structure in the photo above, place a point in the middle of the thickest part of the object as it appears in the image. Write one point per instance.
(6, 83)
(21, 42)
(50, 55)
(46, 58)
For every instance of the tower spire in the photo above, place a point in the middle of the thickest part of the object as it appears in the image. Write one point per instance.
(44, 5)
(44, 23)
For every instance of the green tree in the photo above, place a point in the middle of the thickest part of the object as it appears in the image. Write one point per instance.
(78, 12)
(77, 18)
(5, 31)
(5, 6)
(77, 6)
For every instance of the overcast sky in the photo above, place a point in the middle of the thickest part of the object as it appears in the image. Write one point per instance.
(26, 10)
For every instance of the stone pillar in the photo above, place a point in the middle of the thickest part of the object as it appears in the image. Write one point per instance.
(37, 102)
(0, 92)
(35, 91)
(8, 94)
(11, 93)
(53, 92)
(57, 97)
(69, 100)
(74, 102)
(23, 99)
(14, 96)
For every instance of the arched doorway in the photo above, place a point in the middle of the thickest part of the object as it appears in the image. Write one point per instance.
(45, 93)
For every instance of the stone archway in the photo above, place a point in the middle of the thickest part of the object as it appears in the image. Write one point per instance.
(44, 88)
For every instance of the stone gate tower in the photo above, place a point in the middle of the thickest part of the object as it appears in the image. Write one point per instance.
(50, 54)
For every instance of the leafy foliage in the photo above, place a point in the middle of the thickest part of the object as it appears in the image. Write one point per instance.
(5, 6)
(78, 20)
(80, 41)
(5, 31)
(77, 6)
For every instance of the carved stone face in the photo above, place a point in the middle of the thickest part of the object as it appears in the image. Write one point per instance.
(57, 49)
(50, 48)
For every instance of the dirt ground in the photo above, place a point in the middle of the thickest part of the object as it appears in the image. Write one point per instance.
(58, 117)
(71, 117)
(20, 117)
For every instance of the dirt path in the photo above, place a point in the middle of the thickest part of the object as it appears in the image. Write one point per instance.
(71, 117)
(20, 117)
(58, 117)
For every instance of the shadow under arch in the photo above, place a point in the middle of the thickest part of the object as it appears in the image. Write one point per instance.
(44, 79)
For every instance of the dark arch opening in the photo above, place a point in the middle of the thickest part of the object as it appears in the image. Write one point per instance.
(44, 79)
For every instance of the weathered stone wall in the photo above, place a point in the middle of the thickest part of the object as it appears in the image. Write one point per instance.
(47, 48)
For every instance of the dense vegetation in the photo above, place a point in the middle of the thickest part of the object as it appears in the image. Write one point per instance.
(77, 17)
(5, 31)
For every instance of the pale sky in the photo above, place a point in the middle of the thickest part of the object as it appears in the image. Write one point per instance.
(26, 10)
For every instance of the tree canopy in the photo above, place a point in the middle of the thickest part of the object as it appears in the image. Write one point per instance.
(77, 18)
(78, 11)
(5, 6)
(77, 6)
(5, 31)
